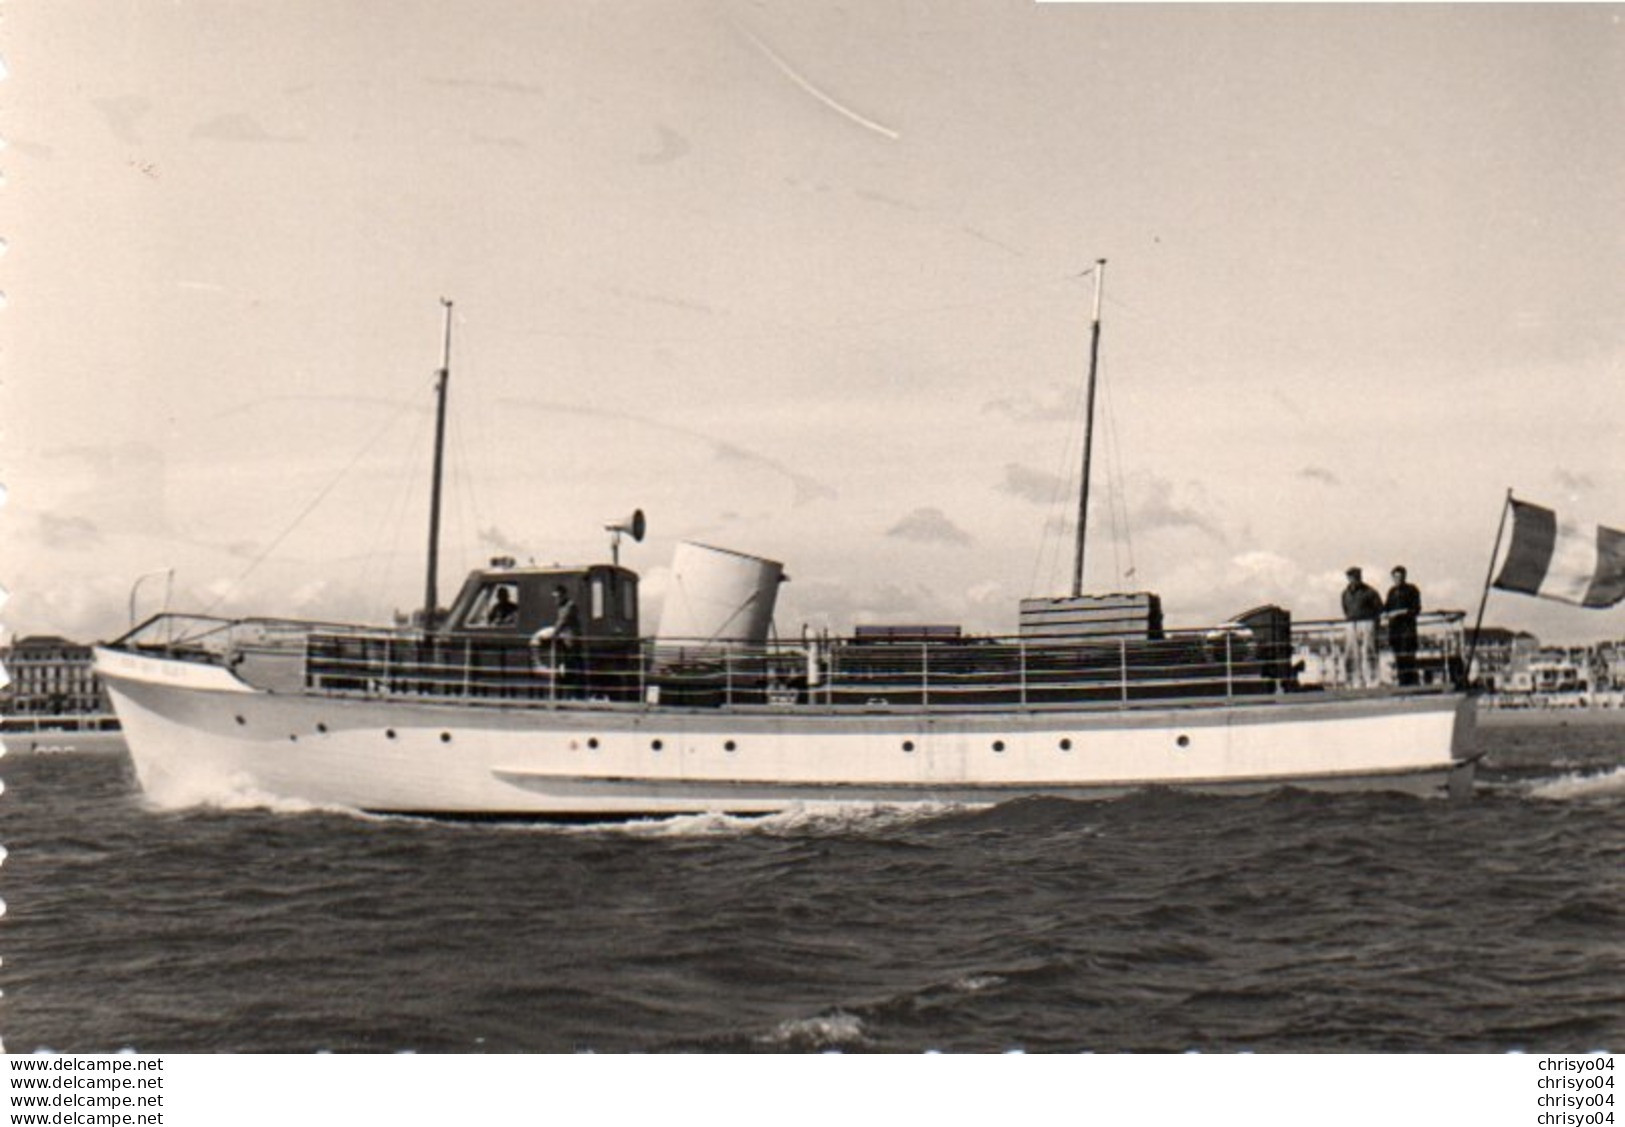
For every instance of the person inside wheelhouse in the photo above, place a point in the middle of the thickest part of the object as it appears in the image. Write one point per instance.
(504, 610)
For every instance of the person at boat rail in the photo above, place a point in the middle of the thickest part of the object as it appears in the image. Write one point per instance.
(560, 634)
(1401, 608)
(566, 624)
(1362, 606)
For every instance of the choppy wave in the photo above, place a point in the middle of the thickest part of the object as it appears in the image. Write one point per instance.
(1160, 921)
(977, 983)
(834, 1030)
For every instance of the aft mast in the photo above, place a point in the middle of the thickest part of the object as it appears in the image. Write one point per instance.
(1088, 433)
(1094, 618)
(430, 596)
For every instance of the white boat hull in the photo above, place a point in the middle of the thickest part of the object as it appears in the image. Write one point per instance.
(197, 734)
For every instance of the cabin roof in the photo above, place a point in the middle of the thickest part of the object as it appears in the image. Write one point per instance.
(550, 569)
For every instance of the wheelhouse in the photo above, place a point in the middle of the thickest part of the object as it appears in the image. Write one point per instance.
(504, 601)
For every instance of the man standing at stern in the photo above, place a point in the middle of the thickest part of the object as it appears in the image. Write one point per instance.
(1362, 606)
(1404, 604)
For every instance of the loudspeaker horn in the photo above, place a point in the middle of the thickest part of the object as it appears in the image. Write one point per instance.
(633, 526)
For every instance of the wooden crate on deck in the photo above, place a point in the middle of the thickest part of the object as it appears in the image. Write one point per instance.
(1093, 617)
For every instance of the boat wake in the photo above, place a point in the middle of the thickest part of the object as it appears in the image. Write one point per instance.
(178, 795)
(802, 820)
(1581, 785)
(809, 820)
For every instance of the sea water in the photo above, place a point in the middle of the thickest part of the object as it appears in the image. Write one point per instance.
(1160, 921)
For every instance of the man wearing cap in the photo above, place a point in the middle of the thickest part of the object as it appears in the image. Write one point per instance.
(1403, 605)
(1362, 606)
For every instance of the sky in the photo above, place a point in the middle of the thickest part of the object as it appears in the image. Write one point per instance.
(805, 280)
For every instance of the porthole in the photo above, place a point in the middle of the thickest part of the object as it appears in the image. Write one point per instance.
(998, 745)
(321, 727)
(592, 743)
(730, 746)
(445, 737)
(293, 737)
(240, 720)
(655, 745)
(908, 745)
(1066, 745)
(1183, 741)
(389, 733)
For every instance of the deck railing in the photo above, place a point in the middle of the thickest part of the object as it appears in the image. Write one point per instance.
(1225, 663)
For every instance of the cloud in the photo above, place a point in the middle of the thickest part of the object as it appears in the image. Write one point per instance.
(114, 459)
(495, 538)
(1288, 403)
(1261, 576)
(1062, 405)
(68, 533)
(670, 146)
(657, 299)
(890, 602)
(807, 489)
(1198, 589)
(1265, 567)
(122, 115)
(237, 127)
(835, 605)
(888, 201)
(1062, 524)
(1156, 508)
(310, 596)
(30, 149)
(990, 240)
(494, 141)
(1037, 486)
(92, 608)
(989, 593)
(929, 526)
(1574, 482)
(1320, 474)
(120, 487)
(499, 86)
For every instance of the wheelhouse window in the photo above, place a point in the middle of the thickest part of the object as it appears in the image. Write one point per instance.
(497, 605)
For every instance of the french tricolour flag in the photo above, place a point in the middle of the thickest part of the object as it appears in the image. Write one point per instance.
(1560, 559)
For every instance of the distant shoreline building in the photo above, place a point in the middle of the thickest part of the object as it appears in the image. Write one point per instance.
(1517, 671)
(51, 676)
(1497, 653)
